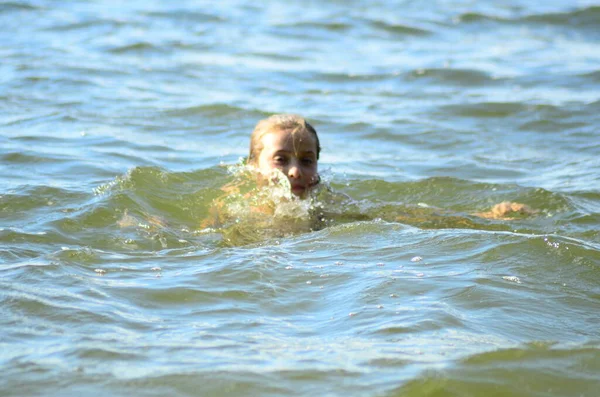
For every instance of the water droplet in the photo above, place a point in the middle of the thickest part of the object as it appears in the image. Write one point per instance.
(309, 282)
(393, 296)
(512, 278)
(289, 267)
(156, 269)
(351, 314)
(416, 259)
(420, 274)
(100, 271)
(381, 264)
(338, 263)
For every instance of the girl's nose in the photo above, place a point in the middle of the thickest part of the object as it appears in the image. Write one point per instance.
(294, 171)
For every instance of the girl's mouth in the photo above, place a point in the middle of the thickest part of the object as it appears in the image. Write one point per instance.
(298, 189)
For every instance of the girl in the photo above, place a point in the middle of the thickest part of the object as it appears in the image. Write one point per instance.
(285, 144)
(279, 193)
(272, 195)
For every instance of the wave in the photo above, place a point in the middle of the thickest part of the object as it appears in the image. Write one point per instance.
(163, 201)
(591, 76)
(533, 369)
(587, 17)
(192, 16)
(331, 26)
(462, 77)
(214, 110)
(399, 29)
(486, 109)
(151, 208)
(137, 47)
(583, 17)
(11, 6)
(92, 23)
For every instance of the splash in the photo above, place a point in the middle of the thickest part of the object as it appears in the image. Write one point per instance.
(236, 205)
(255, 208)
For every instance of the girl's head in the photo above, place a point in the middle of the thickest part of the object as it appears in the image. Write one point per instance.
(287, 143)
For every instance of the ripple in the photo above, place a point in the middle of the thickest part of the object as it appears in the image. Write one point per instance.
(584, 17)
(185, 16)
(469, 17)
(400, 30)
(591, 76)
(541, 370)
(87, 24)
(138, 47)
(331, 26)
(579, 18)
(550, 126)
(10, 6)
(209, 110)
(463, 77)
(487, 109)
(23, 158)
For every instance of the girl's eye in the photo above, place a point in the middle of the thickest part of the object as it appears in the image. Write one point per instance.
(280, 160)
(307, 161)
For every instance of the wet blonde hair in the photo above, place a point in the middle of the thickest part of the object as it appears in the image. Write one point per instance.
(279, 122)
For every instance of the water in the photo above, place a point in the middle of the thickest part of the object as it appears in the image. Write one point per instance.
(118, 125)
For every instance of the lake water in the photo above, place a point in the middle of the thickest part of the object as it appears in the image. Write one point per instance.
(118, 126)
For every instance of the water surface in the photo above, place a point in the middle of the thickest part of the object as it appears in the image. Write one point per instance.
(118, 125)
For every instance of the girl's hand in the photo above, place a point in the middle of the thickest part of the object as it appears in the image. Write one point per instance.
(507, 210)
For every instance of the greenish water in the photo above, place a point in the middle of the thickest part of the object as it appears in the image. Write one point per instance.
(118, 127)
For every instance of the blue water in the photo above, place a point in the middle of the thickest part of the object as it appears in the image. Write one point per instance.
(119, 124)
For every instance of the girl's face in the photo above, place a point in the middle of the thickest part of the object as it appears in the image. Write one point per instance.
(295, 155)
